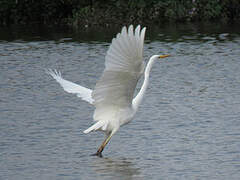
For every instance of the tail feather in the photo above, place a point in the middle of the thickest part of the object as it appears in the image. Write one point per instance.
(95, 127)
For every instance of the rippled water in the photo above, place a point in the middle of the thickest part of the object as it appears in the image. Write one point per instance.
(188, 126)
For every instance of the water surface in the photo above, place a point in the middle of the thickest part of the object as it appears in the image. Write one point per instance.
(188, 126)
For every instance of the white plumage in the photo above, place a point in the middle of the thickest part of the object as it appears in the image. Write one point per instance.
(70, 87)
(113, 93)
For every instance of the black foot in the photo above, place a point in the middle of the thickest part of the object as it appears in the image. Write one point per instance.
(99, 154)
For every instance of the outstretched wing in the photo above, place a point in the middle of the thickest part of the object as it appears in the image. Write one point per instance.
(123, 67)
(70, 87)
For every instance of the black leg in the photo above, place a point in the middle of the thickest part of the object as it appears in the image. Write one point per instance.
(99, 154)
(104, 143)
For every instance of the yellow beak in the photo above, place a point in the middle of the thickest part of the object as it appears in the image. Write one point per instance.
(163, 56)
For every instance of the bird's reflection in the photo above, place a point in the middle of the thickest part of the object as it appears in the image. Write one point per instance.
(120, 168)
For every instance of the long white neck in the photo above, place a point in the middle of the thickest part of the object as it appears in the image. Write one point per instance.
(139, 97)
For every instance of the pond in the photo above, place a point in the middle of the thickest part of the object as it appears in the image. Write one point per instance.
(188, 126)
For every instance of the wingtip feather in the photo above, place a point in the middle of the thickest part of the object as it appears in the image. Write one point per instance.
(54, 73)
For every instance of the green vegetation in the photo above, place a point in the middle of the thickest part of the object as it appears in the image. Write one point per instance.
(106, 12)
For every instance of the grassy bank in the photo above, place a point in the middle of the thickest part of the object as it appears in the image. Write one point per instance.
(116, 12)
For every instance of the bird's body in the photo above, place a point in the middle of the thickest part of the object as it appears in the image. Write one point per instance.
(113, 93)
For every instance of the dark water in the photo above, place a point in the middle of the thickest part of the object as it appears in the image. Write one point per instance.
(188, 126)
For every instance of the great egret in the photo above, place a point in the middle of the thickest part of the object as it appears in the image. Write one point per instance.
(113, 93)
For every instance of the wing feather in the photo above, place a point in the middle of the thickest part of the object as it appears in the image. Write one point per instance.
(70, 87)
(123, 67)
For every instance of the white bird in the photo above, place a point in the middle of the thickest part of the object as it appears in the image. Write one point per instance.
(114, 91)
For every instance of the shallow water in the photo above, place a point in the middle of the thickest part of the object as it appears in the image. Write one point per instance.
(188, 126)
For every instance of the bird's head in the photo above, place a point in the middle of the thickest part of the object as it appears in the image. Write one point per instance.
(157, 57)
(152, 60)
